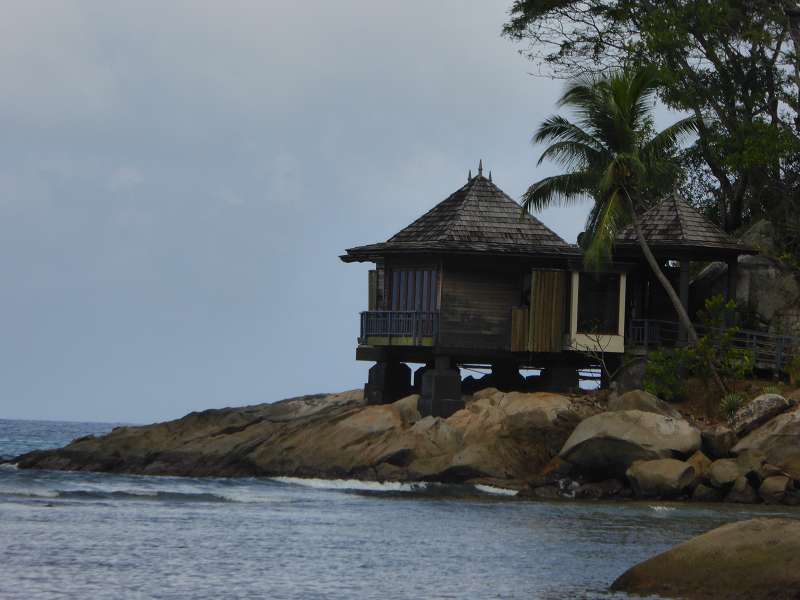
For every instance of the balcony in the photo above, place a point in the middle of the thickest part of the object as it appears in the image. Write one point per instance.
(398, 328)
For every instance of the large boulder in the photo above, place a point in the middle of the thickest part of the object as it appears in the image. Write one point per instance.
(607, 444)
(644, 401)
(758, 411)
(749, 560)
(718, 441)
(701, 464)
(773, 489)
(742, 492)
(723, 473)
(662, 478)
(767, 286)
(778, 440)
(507, 438)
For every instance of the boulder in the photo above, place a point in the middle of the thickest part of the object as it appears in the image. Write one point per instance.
(662, 478)
(752, 465)
(610, 488)
(705, 493)
(701, 464)
(757, 412)
(779, 441)
(644, 401)
(742, 492)
(718, 441)
(773, 489)
(757, 559)
(607, 444)
(502, 437)
(723, 473)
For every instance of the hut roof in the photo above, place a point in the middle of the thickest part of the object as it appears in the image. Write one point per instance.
(479, 218)
(675, 226)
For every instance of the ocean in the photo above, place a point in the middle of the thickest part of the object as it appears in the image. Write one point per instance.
(93, 535)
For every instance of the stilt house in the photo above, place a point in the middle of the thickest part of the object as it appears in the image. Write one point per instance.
(474, 282)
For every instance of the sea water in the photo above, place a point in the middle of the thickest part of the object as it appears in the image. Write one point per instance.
(94, 535)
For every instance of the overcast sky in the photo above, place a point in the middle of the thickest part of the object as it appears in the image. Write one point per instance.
(178, 179)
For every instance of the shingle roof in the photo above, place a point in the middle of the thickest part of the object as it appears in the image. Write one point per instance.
(478, 218)
(674, 224)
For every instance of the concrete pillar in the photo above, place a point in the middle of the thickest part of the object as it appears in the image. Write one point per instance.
(560, 379)
(683, 291)
(418, 377)
(388, 381)
(506, 377)
(441, 389)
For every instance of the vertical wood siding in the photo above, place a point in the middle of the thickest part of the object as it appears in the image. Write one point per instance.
(476, 308)
(546, 324)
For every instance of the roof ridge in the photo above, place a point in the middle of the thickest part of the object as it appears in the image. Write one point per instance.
(679, 205)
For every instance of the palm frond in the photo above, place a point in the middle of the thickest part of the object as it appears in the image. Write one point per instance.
(562, 190)
(607, 221)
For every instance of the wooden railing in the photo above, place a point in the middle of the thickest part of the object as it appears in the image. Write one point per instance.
(399, 324)
(770, 351)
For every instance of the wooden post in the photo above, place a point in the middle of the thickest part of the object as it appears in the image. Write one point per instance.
(684, 294)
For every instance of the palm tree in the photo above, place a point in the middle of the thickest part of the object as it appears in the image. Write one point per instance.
(611, 155)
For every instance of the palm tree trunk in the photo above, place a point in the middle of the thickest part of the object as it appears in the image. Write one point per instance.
(683, 316)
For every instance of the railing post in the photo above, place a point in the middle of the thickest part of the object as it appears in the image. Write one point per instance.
(646, 336)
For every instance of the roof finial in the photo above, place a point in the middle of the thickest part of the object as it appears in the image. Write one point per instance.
(469, 177)
(480, 167)
(490, 176)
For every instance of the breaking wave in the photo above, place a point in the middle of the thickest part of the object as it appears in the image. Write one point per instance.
(426, 488)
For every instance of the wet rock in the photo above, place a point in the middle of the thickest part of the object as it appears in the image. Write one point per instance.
(778, 440)
(773, 489)
(718, 441)
(610, 488)
(662, 478)
(748, 560)
(757, 412)
(705, 493)
(546, 492)
(607, 444)
(556, 469)
(723, 473)
(644, 401)
(742, 492)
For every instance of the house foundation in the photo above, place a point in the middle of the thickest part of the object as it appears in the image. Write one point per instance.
(441, 389)
(387, 382)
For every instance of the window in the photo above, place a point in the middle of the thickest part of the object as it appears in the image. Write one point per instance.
(414, 289)
(598, 303)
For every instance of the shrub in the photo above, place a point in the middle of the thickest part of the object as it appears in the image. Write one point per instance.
(730, 403)
(793, 369)
(772, 389)
(664, 374)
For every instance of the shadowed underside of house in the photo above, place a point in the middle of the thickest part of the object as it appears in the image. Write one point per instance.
(475, 282)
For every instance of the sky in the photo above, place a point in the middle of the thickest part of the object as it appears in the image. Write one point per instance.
(178, 180)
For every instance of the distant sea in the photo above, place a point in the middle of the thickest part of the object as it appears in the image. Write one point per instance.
(99, 536)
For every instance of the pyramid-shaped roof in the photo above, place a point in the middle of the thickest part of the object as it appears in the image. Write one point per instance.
(675, 225)
(478, 218)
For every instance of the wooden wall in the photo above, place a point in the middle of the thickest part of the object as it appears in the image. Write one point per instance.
(476, 307)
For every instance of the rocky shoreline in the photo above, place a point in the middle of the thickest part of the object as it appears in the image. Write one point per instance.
(545, 445)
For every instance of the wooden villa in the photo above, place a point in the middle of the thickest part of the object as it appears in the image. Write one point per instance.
(473, 282)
